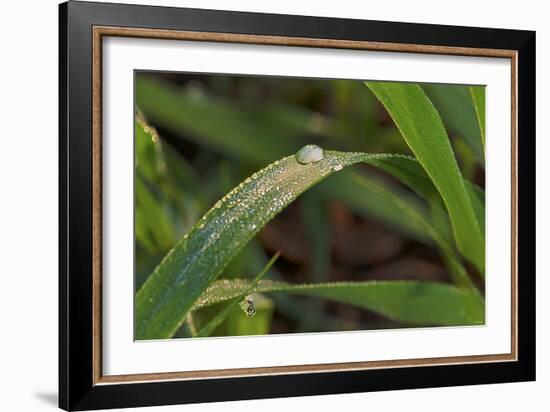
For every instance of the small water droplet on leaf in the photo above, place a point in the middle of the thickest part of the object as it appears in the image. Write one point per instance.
(247, 305)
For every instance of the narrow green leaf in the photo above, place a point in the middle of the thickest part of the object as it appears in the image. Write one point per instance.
(402, 209)
(427, 303)
(477, 196)
(455, 107)
(478, 96)
(466, 158)
(315, 220)
(409, 171)
(226, 311)
(346, 187)
(164, 210)
(152, 219)
(423, 130)
(423, 221)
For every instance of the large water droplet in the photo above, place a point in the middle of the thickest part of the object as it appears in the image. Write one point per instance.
(310, 154)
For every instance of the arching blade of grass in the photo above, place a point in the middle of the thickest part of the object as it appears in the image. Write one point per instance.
(477, 196)
(455, 107)
(226, 311)
(426, 303)
(423, 130)
(424, 222)
(478, 96)
(200, 256)
(346, 187)
(409, 171)
(403, 210)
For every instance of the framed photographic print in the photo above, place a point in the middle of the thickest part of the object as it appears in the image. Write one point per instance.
(256, 205)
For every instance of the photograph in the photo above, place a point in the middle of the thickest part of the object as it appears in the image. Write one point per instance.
(284, 205)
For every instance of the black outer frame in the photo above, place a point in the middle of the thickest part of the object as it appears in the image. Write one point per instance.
(76, 389)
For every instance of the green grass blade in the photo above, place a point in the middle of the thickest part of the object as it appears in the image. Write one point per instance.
(423, 221)
(455, 107)
(426, 303)
(226, 311)
(151, 218)
(314, 213)
(402, 209)
(315, 220)
(409, 171)
(477, 196)
(478, 96)
(346, 187)
(423, 130)
(164, 208)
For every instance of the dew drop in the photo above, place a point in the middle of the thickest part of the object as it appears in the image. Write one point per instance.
(233, 203)
(310, 154)
(247, 305)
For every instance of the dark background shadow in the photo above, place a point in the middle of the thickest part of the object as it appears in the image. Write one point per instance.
(49, 398)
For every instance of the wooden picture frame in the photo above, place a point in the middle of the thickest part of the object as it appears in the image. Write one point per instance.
(82, 384)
